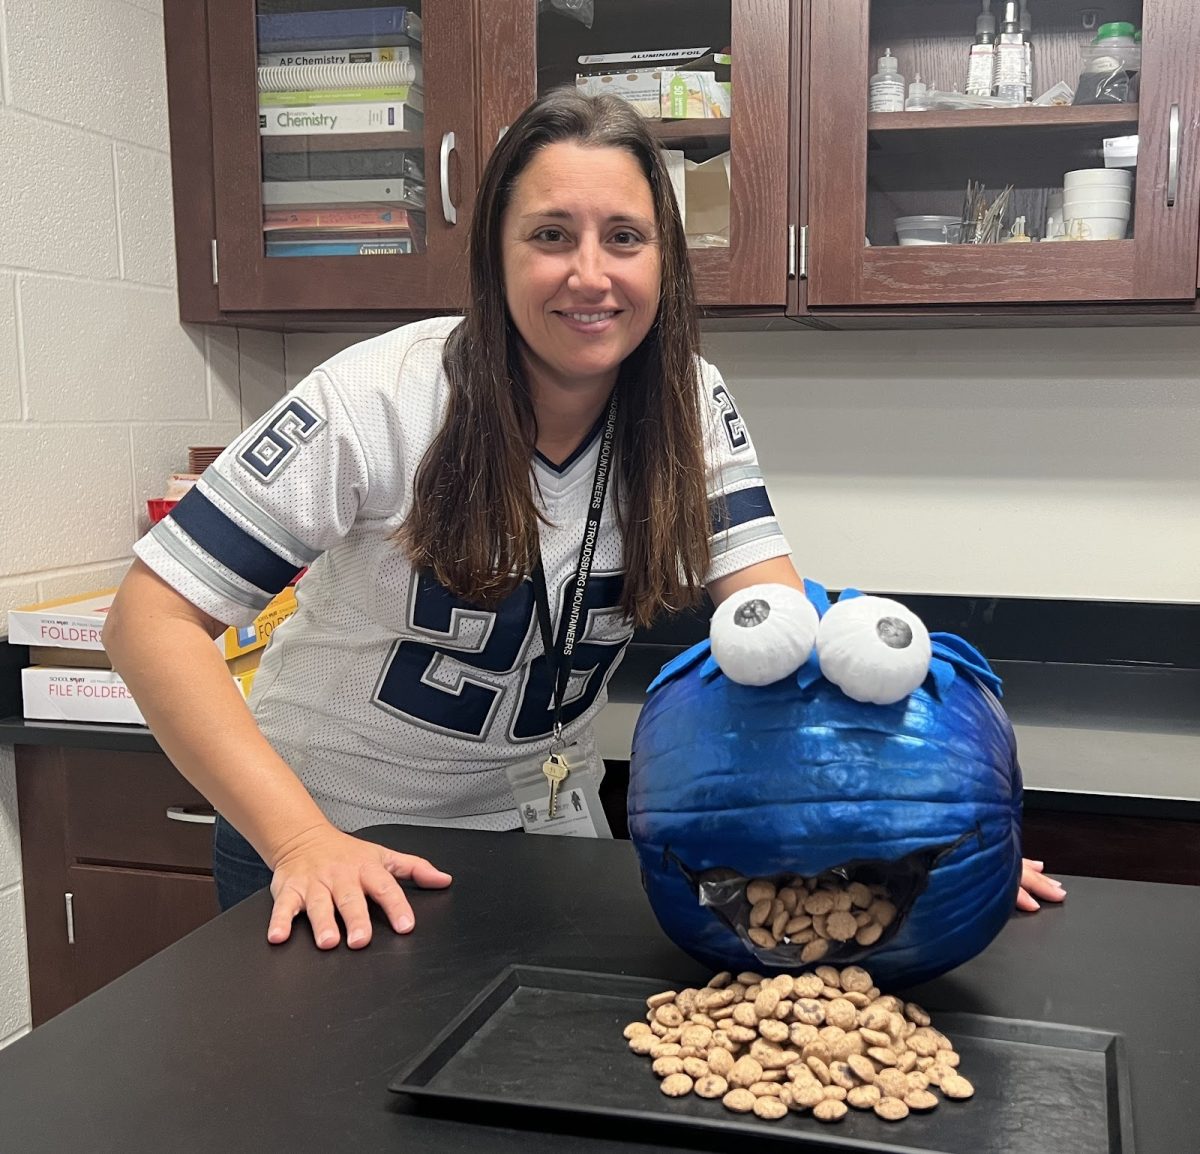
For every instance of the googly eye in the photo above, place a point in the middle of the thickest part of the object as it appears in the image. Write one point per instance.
(873, 649)
(763, 633)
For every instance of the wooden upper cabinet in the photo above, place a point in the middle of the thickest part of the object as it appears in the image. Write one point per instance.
(303, 178)
(868, 168)
(737, 213)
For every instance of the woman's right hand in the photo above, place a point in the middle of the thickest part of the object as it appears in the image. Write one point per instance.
(323, 870)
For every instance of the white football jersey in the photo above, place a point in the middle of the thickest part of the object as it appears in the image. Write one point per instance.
(391, 699)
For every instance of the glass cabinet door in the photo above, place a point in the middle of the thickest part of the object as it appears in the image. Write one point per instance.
(1000, 151)
(344, 144)
(711, 79)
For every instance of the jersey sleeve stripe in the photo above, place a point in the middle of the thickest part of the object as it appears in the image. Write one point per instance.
(739, 508)
(227, 542)
(725, 543)
(203, 568)
(734, 475)
(268, 526)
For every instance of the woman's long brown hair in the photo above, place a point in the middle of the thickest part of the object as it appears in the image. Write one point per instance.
(474, 522)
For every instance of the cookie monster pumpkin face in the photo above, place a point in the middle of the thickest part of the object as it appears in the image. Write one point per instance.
(918, 799)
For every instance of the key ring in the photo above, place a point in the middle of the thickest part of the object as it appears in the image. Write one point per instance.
(556, 742)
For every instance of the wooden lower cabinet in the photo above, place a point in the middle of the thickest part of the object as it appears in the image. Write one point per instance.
(124, 916)
(111, 874)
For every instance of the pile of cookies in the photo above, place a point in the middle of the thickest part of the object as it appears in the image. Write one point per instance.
(816, 913)
(825, 1042)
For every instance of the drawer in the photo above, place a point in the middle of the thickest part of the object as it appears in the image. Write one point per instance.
(134, 809)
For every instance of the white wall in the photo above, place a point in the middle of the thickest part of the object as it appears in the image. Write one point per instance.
(101, 388)
(1020, 463)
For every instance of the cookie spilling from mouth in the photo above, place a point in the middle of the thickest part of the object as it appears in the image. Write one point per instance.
(825, 1042)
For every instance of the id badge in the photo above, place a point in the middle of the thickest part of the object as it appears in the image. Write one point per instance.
(578, 812)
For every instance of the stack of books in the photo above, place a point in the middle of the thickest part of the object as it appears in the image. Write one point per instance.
(70, 678)
(328, 73)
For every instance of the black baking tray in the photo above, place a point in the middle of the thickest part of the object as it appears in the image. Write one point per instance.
(543, 1047)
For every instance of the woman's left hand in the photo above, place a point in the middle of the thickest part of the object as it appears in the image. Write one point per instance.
(1035, 884)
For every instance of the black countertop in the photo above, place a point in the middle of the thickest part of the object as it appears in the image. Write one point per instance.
(1125, 698)
(225, 1043)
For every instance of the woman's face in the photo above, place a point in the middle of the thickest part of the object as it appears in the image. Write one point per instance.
(581, 262)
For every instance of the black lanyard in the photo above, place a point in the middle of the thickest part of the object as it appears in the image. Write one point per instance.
(559, 657)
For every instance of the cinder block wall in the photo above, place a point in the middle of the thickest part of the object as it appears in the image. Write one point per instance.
(101, 388)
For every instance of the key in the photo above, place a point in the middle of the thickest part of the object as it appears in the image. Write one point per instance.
(556, 771)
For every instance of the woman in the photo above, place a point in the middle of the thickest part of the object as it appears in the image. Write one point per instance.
(421, 475)
(548, 469)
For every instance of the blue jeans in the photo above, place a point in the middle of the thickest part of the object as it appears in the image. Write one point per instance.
(237, 868)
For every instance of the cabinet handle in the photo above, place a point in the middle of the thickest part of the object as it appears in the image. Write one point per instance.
(69, 901)
(448, 209)
(182, 813)
(1173, 156)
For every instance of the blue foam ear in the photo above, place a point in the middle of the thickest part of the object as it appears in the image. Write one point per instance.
(963, 655)
(818, 595)
(677, 666)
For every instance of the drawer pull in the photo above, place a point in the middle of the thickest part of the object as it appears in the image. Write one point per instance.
(191, 814)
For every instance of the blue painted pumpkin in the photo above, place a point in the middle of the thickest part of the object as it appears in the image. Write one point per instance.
(731, 782)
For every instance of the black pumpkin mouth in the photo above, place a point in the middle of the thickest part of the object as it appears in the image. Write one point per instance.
(840, 915)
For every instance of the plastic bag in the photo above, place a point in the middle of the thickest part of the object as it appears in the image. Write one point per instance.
(582, 10)
(1108, 76)
(898, 884)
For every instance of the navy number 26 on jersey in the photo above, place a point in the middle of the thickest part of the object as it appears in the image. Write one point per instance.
(431, 684)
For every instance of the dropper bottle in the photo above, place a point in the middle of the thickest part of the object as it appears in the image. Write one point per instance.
(1010, 57)
(1027, 34)
(981, 68)
(918, 96)
(887, 85)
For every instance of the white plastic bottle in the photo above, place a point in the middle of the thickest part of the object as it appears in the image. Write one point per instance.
(1027, 36)
(1010, 58)
(981, 68)
(918, 96)
(887, 86)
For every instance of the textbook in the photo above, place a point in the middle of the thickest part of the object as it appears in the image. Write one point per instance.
(326, 119)
(341, 28)
(77, 623)
(321, 193)
(379, 220)
(396, 94)
(360, 54)
(390, 247)
(298, 77)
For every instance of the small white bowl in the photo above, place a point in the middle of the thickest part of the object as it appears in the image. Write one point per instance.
(919, 230)
(1096, 196)
(1088, 177)
(1088, 207)
(1096, 228)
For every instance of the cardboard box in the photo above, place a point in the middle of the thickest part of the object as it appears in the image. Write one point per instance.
(77, 623)
(94, 695)
(48, 655)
